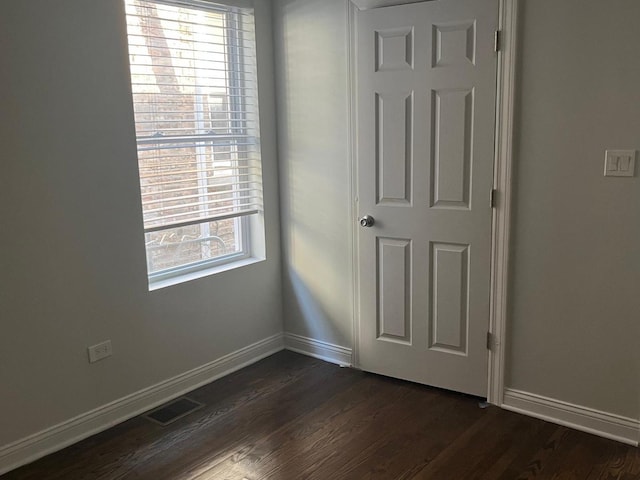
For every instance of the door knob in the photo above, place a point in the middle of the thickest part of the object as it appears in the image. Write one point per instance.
(367, 221)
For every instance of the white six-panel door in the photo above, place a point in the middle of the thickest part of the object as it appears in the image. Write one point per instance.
(426, 84)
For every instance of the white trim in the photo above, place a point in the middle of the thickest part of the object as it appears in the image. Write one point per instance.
(71, 431)
(505, 109)
(182, 277)
(353, 184)
(607, 425)
(318, 349)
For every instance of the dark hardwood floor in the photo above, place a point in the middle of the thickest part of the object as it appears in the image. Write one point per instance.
(293, 417)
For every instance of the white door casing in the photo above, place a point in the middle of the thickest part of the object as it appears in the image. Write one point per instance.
(425, 83)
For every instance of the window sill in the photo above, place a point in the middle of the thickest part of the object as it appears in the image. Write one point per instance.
(205, 272)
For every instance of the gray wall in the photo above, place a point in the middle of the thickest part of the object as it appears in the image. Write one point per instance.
(574, 325)
(72, 250)
(313, 135)
(575, 319)
(72, 263)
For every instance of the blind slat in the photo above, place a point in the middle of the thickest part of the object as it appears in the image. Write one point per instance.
(239, 7)
(150, 189)
(196, 221)
(188, 130)
(185, 138)
(167, 15)
(200, 41)
(198, 83)
(194, 195)
(200, 77)
(234, 177)
(196, 144)
(232, 96)
(202, 61)
(151, 161)
(204, 205)
(169, 221)
(190, 121)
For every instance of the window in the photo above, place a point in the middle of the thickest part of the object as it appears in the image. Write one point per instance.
(194, 88)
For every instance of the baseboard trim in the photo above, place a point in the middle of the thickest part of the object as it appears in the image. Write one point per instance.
(47, 441)
(607, 425)
(318, 349)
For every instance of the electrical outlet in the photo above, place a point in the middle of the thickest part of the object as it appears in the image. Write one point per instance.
(100, 351)
(619, 163)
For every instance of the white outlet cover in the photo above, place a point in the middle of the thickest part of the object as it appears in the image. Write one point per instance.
(99, 351)
(620, 163)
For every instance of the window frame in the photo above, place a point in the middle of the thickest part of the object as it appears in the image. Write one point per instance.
(210, 263)
(250, 226)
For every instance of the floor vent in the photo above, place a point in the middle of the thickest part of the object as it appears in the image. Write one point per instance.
(172, 411)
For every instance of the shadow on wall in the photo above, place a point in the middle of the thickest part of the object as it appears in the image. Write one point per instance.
(317, 321)
(314, 168)
(306, 304)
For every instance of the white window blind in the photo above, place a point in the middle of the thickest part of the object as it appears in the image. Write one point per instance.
(194, 86)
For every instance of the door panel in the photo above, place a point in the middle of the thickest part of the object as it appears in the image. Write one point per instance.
(449, 317)
(425, 120)
(452, 141)
(394, 128)
(394, 281)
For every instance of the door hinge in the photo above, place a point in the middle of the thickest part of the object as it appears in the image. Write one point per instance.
(497, 45)
(489, 341)
(492, 198)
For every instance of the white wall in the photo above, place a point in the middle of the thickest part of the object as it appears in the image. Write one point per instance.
(313, 134)
(72, 249)
(575, 318)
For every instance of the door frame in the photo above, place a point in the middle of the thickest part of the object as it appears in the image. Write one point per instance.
(502, 183)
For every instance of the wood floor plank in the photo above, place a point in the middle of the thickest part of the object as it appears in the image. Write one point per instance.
(364, 434)
(291, 417)
(242, 425)
(304, 444)
(414, 439)
(524, 457)
(624, 464)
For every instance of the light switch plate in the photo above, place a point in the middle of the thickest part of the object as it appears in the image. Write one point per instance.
(620, 163)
